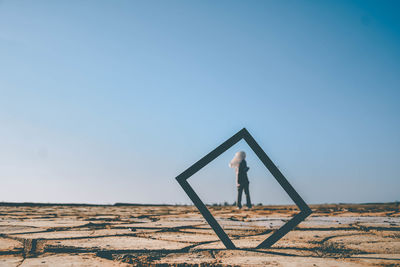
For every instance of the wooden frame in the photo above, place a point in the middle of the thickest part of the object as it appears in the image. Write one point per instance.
(243, 134)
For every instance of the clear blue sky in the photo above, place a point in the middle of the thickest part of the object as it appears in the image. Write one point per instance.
(108, 101)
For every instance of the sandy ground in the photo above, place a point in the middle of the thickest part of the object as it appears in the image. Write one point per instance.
(83, 235)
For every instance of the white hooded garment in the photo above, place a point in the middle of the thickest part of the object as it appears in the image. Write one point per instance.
(237, 159)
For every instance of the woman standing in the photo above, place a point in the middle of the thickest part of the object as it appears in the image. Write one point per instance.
(242, 181)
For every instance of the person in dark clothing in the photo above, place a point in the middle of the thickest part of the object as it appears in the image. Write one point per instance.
(242, 181)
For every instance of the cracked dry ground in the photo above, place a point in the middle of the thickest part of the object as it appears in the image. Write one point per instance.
(83, 235)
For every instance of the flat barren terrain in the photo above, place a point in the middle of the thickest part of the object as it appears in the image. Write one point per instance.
(126, 235)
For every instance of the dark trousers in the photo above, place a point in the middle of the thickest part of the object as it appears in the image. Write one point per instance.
(239, 196)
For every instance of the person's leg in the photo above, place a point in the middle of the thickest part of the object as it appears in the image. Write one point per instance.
(247, 192)
(239, 196)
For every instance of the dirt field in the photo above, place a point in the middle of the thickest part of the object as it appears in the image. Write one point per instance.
(83, 235)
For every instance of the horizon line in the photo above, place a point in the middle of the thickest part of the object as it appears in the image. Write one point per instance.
(4, 203)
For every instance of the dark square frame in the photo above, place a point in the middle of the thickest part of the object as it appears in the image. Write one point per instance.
(305, 211)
